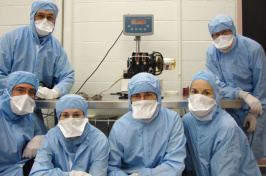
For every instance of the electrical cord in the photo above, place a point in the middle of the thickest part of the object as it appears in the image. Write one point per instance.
(252, 137)
(99, 96)
(111, 86)
(47, 115)
(100, 63)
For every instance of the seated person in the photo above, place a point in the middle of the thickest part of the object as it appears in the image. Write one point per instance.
(148, 140)
(73, 147)
(19, 134)
(215, 143)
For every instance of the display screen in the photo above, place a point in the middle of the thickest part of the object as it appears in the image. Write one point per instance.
(138, 21)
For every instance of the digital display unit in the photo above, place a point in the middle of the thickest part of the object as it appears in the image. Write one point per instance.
(133, 21)
(138, 25)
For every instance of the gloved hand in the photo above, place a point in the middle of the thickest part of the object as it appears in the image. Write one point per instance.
(48, 94)
(78, 173)
(134, 174)
(252, 119)
(31, 148)
(253, 102)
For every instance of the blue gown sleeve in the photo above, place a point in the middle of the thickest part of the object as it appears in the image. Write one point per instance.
(211, 65)
(100, 163)
(259, 76)
(228, 159)
(115, 157)
(43, 164)
(5, 61)
(65, 73)
(173, 161)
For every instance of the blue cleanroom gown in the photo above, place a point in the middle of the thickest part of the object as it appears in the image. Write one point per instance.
(154, 148)
(22, 49)
(217, 147)
(242, 68)
(88, 153)
(15, 131)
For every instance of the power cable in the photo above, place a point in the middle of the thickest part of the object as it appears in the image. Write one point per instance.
(100, 63)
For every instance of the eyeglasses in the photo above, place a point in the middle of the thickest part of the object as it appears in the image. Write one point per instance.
(223, 32)
(41, 16)
(146, 96)
(22, 90)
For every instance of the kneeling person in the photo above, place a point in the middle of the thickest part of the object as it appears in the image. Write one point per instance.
(73, 147)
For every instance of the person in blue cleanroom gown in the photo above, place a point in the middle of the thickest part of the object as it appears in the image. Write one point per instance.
(240, 64)
(215, 143)
(148, 140)
(73, 147)
(19, 134)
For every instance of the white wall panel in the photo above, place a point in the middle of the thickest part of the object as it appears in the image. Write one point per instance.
(10, 15)
(230, 9)
(206, 10)
(5, 3)
(114, 11)
(106, 72)
(195, 31)
(195, 50)
(96, 31)
(190, 68)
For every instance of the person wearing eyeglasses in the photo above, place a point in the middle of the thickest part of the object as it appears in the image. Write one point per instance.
(19, 134)
(149, 139)
(73, 147)
(216, 146)
(240, 64)
(33, 49)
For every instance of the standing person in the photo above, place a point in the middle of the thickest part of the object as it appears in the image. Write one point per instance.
(215, 143)
(20, 138)
(240, 64)
(73, 147)
(148, 140)
(33, 49)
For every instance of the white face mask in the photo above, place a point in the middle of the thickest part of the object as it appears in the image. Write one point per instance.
(72, 127)
(224, 43)
(22, 104)
(145, 110)
(44, 27)
(202, 107)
